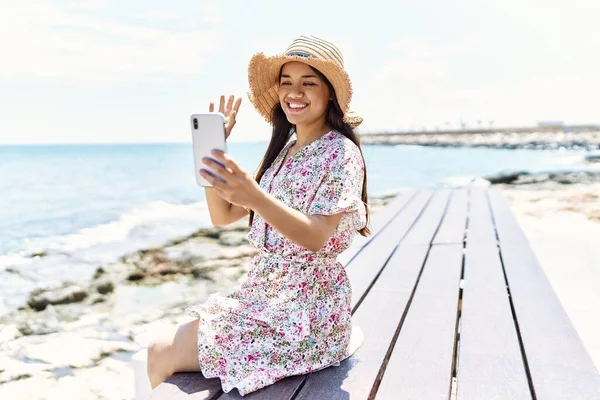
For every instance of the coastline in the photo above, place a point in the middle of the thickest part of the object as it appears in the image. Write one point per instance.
(589, 141)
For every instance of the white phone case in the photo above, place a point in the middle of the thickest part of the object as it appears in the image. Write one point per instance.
(208, 133)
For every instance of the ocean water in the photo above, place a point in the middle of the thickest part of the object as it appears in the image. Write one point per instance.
(85, 205)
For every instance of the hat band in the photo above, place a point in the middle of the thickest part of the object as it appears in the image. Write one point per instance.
(299, 53)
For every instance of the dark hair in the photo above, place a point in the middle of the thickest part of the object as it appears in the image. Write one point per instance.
(334, 117)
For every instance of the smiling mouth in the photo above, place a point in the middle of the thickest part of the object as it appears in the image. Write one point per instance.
(296, 107)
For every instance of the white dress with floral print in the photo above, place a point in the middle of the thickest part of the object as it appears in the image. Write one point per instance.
(292, 314)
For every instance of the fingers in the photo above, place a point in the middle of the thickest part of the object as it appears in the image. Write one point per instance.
(233, 104)
(236, 106)
(222, 104)
(231, 120)
(229, 104)
(218, 169)
(213, 179)
(227, 161)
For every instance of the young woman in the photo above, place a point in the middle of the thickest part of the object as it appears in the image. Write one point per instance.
(307, 201)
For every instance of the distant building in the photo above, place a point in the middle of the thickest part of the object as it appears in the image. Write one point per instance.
(550, 124)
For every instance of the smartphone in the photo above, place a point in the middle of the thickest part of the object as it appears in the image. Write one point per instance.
(208, 133)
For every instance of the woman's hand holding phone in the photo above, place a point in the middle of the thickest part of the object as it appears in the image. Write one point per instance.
(230, 180)
(229, 111)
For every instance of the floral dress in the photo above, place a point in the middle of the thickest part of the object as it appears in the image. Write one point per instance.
(292, 314)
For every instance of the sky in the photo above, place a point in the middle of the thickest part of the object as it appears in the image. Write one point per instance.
(107, 71)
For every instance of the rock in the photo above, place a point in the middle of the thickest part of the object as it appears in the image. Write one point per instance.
(166, 269)
(233, 238)
(206, 270)
(104, 287)
(39, 323)
(35, 388)
(531, 179)
(82, 352)
(136, 276)
(213, 232)
(9, 332)
(13, 370)
(238, 252)
(197, 251)
(549, 178)
(28, 328)
(192, 252)
(593, 156)
(69, 293)
(97, 299)
(72, 312)
(586, 177)
(505, 177)
(92, 382)
(99, 272)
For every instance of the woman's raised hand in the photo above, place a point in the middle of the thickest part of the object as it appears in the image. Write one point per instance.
(230, 111)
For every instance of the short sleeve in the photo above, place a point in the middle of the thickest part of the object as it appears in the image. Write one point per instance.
(340, 189)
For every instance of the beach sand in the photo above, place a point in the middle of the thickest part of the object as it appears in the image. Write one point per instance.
(562, 223)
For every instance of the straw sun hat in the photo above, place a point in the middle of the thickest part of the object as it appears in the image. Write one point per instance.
(263, 74)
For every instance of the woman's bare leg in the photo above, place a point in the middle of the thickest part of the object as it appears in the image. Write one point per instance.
(173, 352)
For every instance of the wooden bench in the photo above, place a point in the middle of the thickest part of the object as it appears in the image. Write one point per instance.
(452, 303)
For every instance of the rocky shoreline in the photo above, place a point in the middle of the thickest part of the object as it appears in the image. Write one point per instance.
(575, 192)
(76, 336)
(544, 178)
(589, 141)
(92, 328)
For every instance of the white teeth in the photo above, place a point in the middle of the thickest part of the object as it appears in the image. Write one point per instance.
(293, 105)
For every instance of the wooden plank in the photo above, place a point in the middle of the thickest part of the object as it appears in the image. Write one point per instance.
(379, 220)
(429, 221)
(378, 316)
(365, 267)
(490, 364)
(481, 227)
(558, 361)
(282, 390)
(421, 364)
(559, 364)
(382, 217)
(507, 227)
(191, 385)
(452, 229)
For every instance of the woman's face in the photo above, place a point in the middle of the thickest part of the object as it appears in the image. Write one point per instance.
(303, 95)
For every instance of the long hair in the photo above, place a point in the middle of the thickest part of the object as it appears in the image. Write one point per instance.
(334, 117)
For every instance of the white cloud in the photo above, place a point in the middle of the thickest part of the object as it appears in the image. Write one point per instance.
(424, 85)
(208, 13)
(568, 29)
(90, 5)
(410, 70)
(42, 40)
(161, 15)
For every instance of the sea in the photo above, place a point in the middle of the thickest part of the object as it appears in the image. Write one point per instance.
(65, 210)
